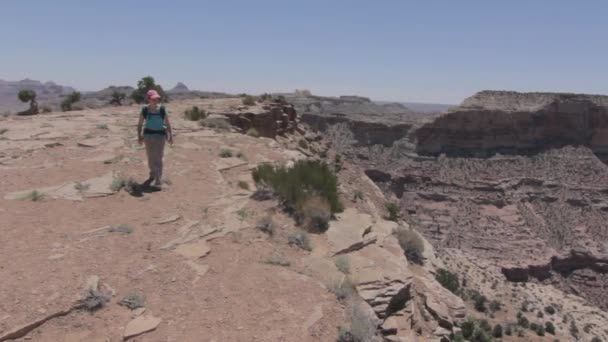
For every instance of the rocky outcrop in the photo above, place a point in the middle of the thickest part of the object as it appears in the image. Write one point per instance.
(564, 264)
(179, 88)
(269, 121)
(516, 123)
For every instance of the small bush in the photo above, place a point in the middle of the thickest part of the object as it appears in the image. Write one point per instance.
(102, 126)
(508, 330)
(523, 322)
(217, 123)
(94, 301)
(252, 132)
(540, 314)
(481, 336)
(343, 264)
(393, 212)
(458, 337)
(343, 289)
(480, 303)
(448, 280)
(117, 184)
(300, 240)
(468, 327)
(248, 100)
(277, 260)
(495, 306)
(315, 213)
(485, 325)
(573, 329)
(243, 185)
(303, 144)
(81, 187)
(133, 301)
(35, 196)
(497, 331)
(264, 97)
(47, 109)
(117, 98)
(550, 310)
(123, 228)
(540, 330)
(266, 225)
(295, 185)
(358, 196)
(411, 243)
(550, 328)
(226, 154)
(69, 101)
(194, 114)
(587, 328)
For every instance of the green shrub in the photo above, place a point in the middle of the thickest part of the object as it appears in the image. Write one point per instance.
(343, 290)
(358, 196)
(28, 95)
(68, 102)
(550, 328)
(485, 325)
(458, 337)
(550, 310)
(264, 97)
(300, 240)
(393, 212)
(243, 185)
(540, 330)
(314, 213)
(343, 264)
(411, 243)
(468, 327)
(226, 154)
(509, 330)
(47, 109)
(523, 322)
(481, 335)
(448, 280)
(277, 260)
(267, 225)
(194, 114)
(587, 328)
(81, 187)
(248, 100)
(35, 196)
(480, 303)
(573, 329)
(497, 331)
(296, 185)
(117, 98)
(540, 314)
(145, 84)
(495, 306)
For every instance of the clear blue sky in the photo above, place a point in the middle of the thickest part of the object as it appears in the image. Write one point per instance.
(426, 51)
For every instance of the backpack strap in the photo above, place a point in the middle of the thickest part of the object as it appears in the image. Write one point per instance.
(144, 112)
(163, 112)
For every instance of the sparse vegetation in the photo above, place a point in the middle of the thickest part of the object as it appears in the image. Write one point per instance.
(480, 303)
(94, 300)
(217, 123)
(145, 84)
(495, 306)
(118, 183)
(133, 301)
(303, 144)
(243, 185)
(522, 321)
(35, 196)
(497, 331)
(296, 185)
(248, 100)
(195, 114)
(509, 330)
(550, 310)
(277, 260)
(540, 330)
(314, 213)
(226, 154)
(264, 97)
(28, 95)
(300, 240)
(393, 212)
(47, 109)
(411, 243)
(267, 225)
(69, 101)
(252, 132)
(468, 327)
(81, 187)
(358, 196)
(448, 280)
(587, 328)
(101, 126)
(550, 328)
(573, 329)
(123, 228)
(343, 289)
(117, 98)
(362, 326)
(540, 314)
(343, 264)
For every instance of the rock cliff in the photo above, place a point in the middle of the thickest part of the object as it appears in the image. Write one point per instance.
(493, 122)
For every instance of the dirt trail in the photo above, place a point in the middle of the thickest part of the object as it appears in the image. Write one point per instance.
(46, 254)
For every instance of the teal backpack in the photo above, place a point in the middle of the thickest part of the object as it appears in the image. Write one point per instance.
(155, 122)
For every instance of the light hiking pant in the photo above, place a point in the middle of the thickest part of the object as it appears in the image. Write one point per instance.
(155, 147)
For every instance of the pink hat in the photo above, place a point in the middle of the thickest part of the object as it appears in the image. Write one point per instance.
(152, 94)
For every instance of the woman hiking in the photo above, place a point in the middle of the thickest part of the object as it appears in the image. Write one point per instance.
(156, 130)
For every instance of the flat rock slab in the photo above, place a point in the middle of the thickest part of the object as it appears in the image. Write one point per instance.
(94, 187)
(193, 251)
(93, 142)
(228, 163)
(351, 231)
(140, 325)
(169, 219)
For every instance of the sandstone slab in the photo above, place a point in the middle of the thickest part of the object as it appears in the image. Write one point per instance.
(140, 325)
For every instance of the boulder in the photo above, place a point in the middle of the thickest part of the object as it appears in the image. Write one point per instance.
(351, 231)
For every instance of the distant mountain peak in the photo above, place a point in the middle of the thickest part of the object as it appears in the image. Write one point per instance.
(180, 88)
